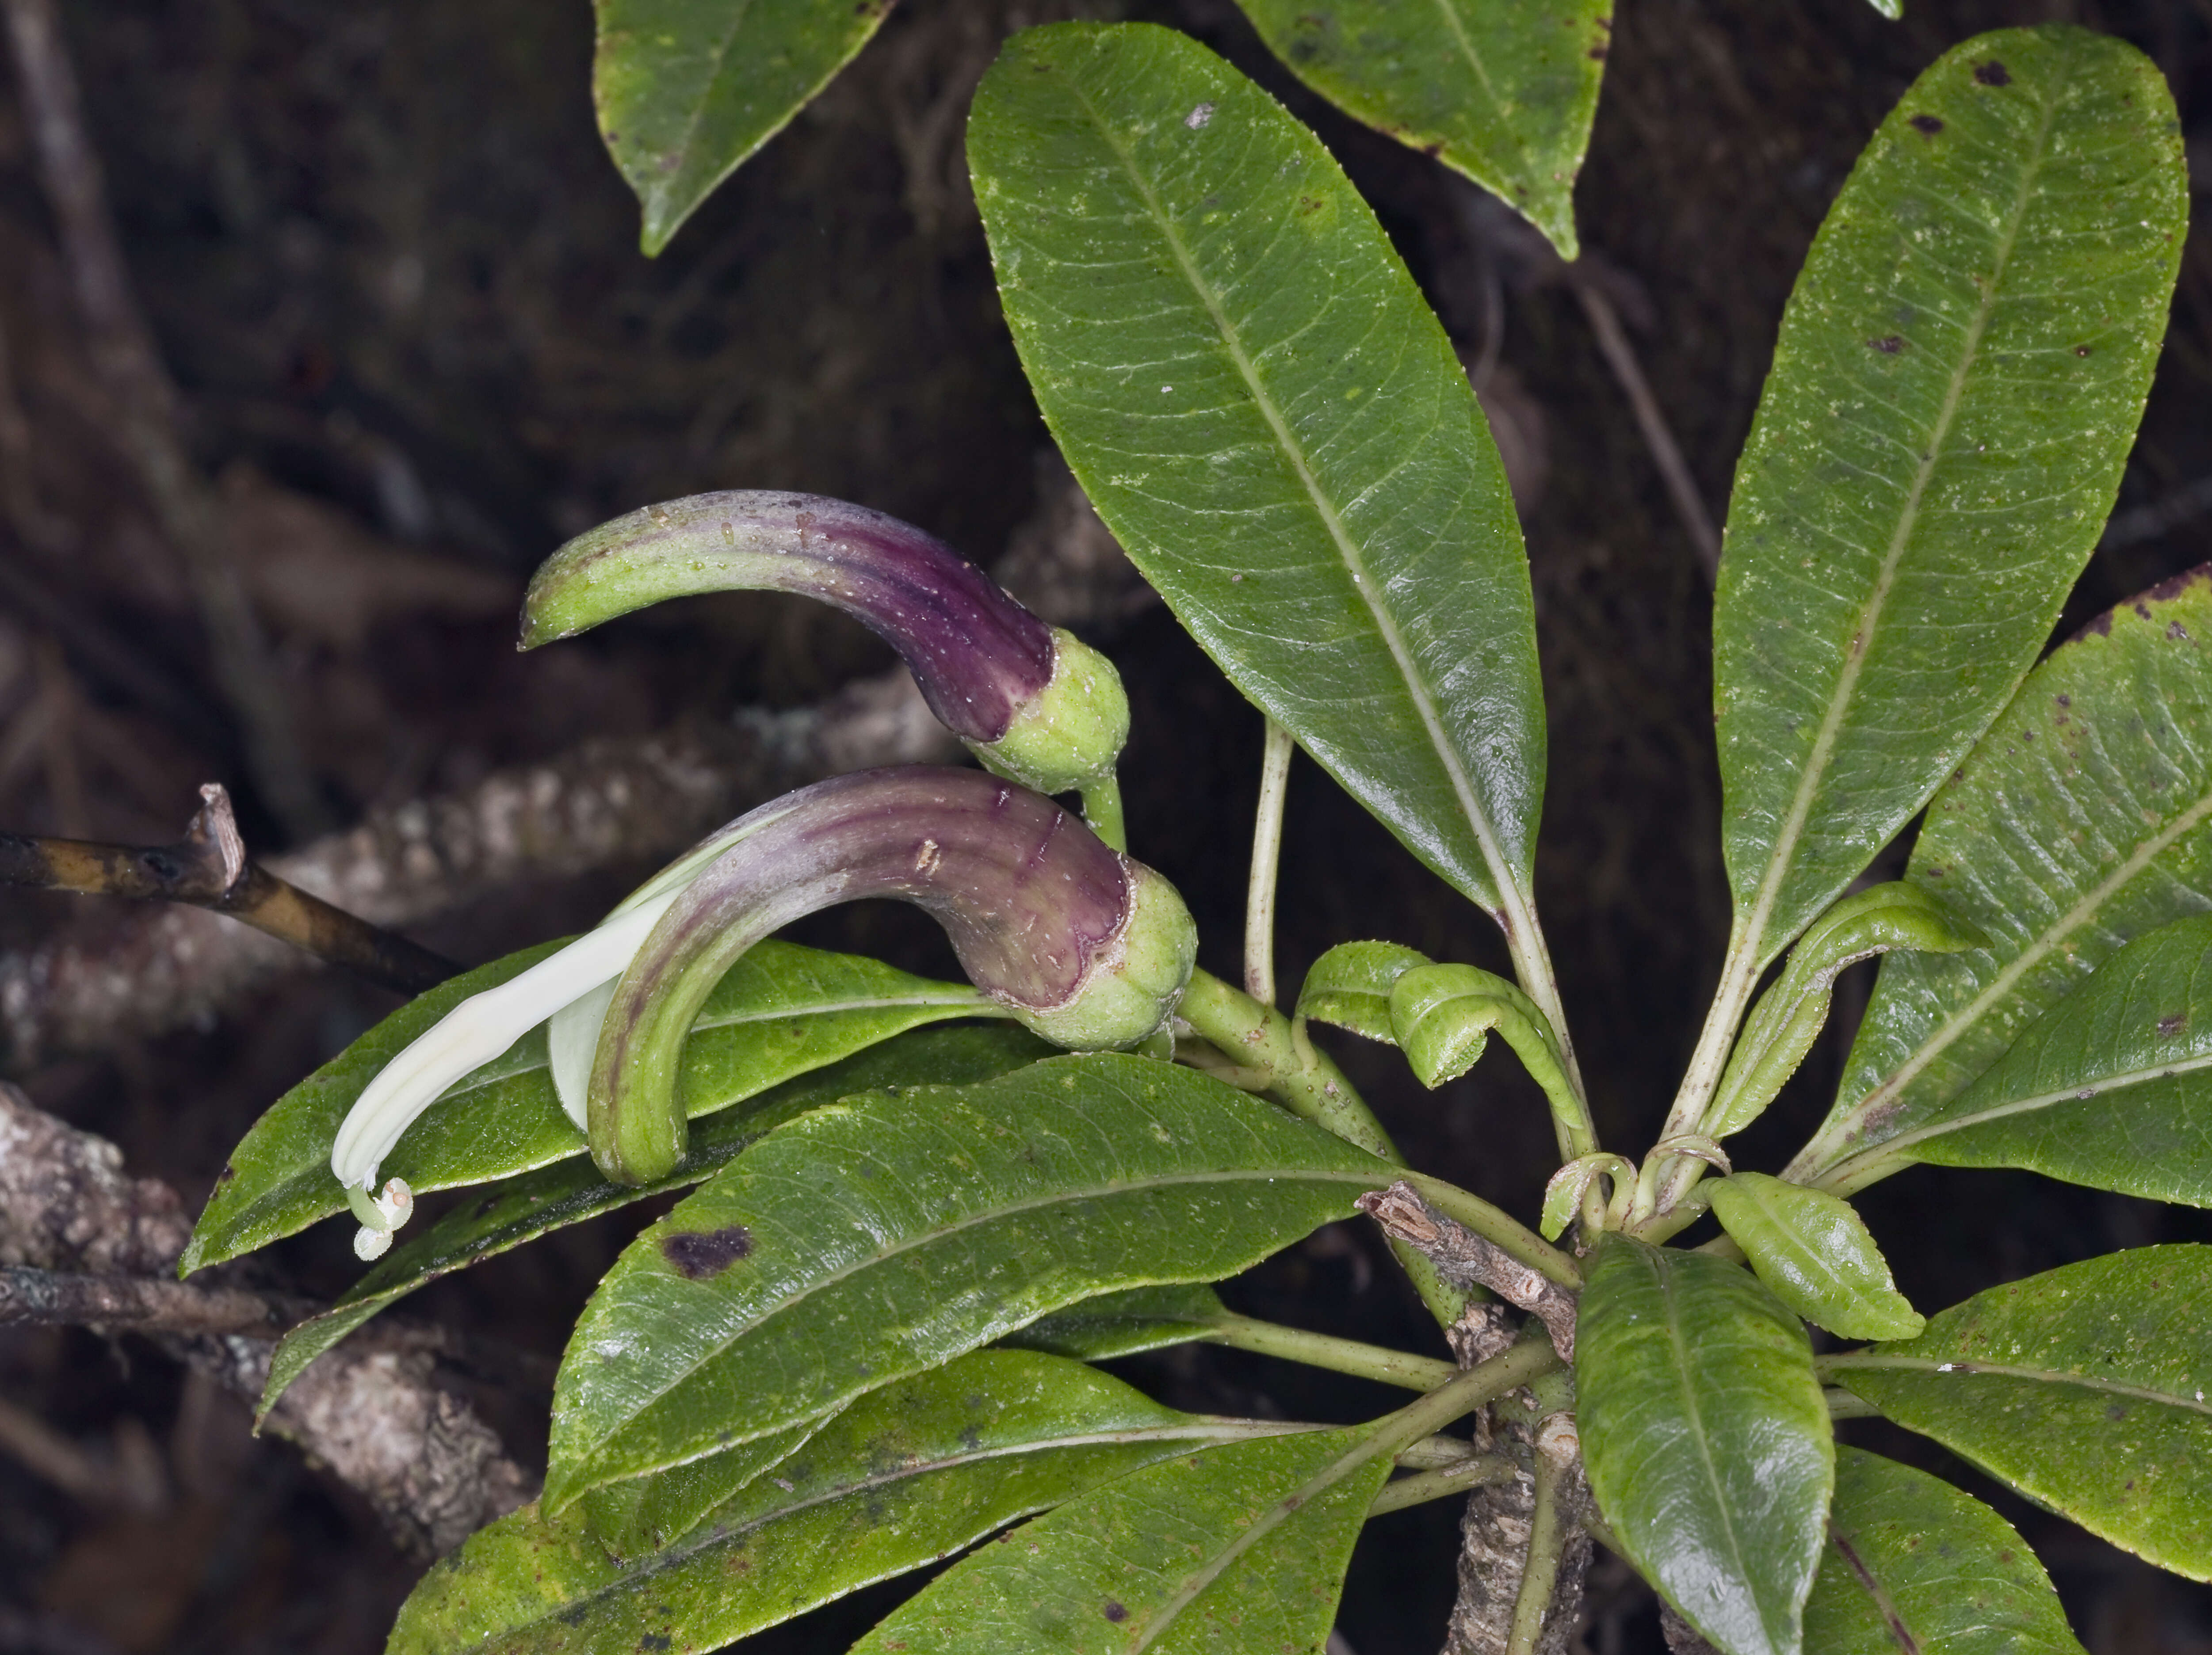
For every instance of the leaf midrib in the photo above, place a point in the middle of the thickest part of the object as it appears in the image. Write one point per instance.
(1364, 1180)
(1362, 582)
(682, 149)
(1783, 857)
(2041, 1101)
(1967, 1368)
(1884, 1604)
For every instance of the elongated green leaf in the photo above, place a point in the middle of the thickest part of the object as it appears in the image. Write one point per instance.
(889, 1233)
(1253, 393)
(687, 89)
(2083, 1388)
(1955, 388)
(781, 1011)
(525, 1207)
(2112, 1088)
(1123, 1323)
(1814, 1253)
(2082, 820)
(909, 1474)
(641, 1515)
(1503, 94)
(1350, 986)
(1707, 1442)
(1238, 1549)
(1790, 1015)
(1914, 1564)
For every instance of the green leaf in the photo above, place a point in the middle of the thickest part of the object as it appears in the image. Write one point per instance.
(781, 1011)
(1443, 1016)
(1790, 1015)
(641, 1515)
(907, 1475)
(1814, 1253)
(2082, 820)
(2083, 1388)
(2112, 1088)
(1955, 389)
(1707, 1442)
(1240, 1548)
(687, 89)
(889, 1233)
(1124, 1323)
(1350, 986)
(1503, 94)
(1914, 1564)
(1265, 412)
(525, 1207)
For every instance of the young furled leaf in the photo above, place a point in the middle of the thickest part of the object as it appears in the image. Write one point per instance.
(1350, 986)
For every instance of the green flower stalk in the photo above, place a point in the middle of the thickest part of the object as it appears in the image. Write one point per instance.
(1079, 942)
(1032, 701)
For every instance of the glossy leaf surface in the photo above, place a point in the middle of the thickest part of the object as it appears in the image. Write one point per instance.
(687, 89)
(1240, 1548)
(1790, 1015)
(1815, 1255)
(1912, 1564)
(2112, 1088)
(2082, 820)
(641, 1515)
(2084, 1388)
(525, 1207)
(781, 1011)
(909, 1474)
(1706, 1440)
(891, 1233)
(1503, 94)
(1123, 1323)
(1955, 390)
(1350, 986)
(1265, 412)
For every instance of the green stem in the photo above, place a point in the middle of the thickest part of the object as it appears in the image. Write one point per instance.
(1529, 1359)
(1665, 1178)
(1101, 809)
(1266, 854)
(1368, 1361)
(1258, 1037)
(1540, 1575)
(1501, 1229)
(1435, 1453)
(1476, 1471)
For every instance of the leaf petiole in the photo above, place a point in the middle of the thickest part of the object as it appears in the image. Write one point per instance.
(1267, 855)
(1326, 1350)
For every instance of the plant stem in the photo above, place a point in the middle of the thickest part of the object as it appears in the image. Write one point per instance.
(1667, 1179)
(1435, 1453)
(1540, 1575)
(1528, 1359)
(1501, 1229)
(1368, 1361)
(1258, 1037)
(1532, 966)
(1266, 853)
(1476, 1471)
(1101, 809)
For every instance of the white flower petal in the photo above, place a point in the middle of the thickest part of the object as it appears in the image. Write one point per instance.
(572, 1042)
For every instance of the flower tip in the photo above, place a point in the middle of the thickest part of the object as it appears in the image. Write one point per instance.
(369, 1245)
(1069, 732)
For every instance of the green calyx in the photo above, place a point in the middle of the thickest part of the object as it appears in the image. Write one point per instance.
(1134, 982)
(1070, 732)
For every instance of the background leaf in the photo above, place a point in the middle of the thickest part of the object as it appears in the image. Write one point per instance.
(2083, 1388)
(525, 1207)
(1124, 1323)
(1503, 94)
(687, 89)
(1815, 1255)
(781, 1011)
(1267, 415)
(909, 1474)
(1240, 1548)
(1957, 382)
(1907, 1553)
(892, 1232)
(1706, 1440)
(2080, 820)
(2112, 1088)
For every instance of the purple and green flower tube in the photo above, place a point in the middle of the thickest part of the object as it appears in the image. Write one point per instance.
(1087, 948)
(1032, 701)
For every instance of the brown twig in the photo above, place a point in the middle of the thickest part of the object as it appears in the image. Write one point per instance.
(70, 1299)
(1464, 1260)
(122, 350)
(208, 868)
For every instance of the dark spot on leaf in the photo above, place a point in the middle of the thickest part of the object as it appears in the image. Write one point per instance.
(1597, 53)
(1889, 344)
(2081, 350)
(1116, 1613)
(2173, 585)
(573, 1615)
(2142, 611)
(1432, 150)
(227, 1173)
(654, 1641)
(1309, 203)
(2172, 1026)
(2101, 627)
(1993, 73)
(2175, 629)
(2119, 1410)
(698, 1254)
(1927, 125)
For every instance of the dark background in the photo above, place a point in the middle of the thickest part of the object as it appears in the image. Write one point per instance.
(394, 274)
